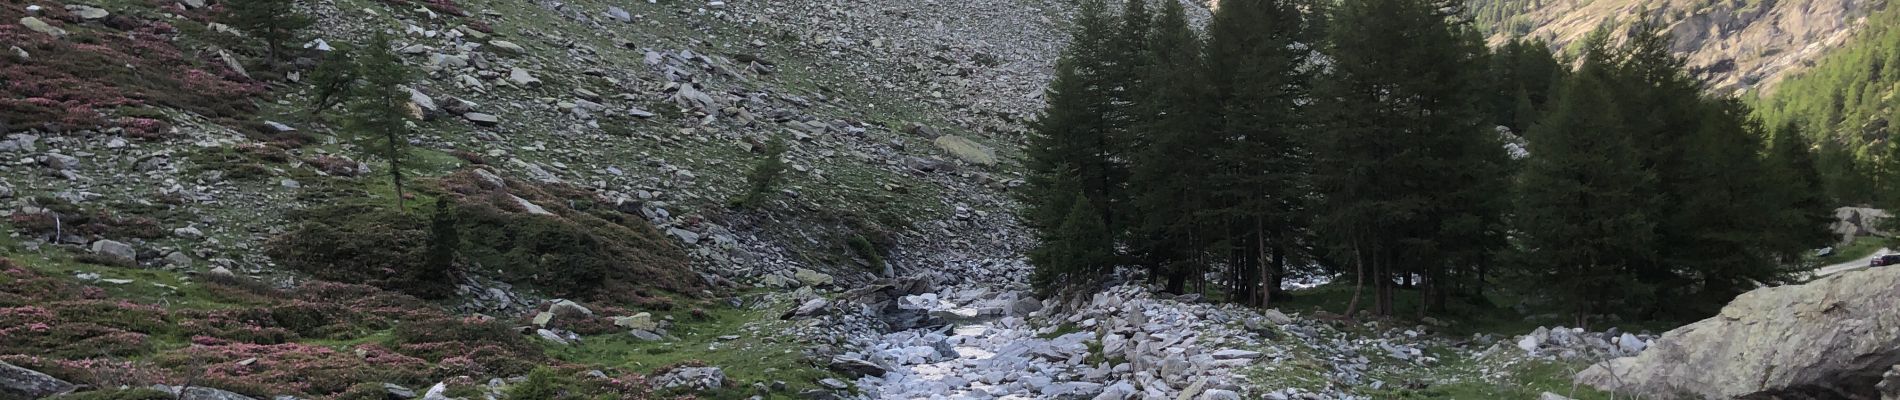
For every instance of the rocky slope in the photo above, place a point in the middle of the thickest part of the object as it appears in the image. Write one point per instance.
(1735, 44)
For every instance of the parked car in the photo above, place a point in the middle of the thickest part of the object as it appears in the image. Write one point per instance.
(1886, 259)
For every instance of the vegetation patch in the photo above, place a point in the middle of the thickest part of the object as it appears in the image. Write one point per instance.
(71, 82)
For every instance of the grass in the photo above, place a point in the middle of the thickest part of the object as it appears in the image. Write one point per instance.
(1859, 248)
(1461, 318)
(755, 356)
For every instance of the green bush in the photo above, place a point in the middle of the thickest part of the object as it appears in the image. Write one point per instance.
(363, 244)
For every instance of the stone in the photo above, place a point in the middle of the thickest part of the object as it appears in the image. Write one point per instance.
(813, 307)
(36, 25)
(508, 47)
(205, 393)
(690, 378)
(550, 336)
(1630, 344)
(482, 119)
(16, 382)
(60, 162)
(645, 335)
(834, 384)
(1220, 394)
(422, 101)
(641, 321)
(1829, 338)
(543, 318)
(1276, 317)
(1232, 354)
(855, 367)
(115, 249)
(88, 12)
(570, 306)
(1528, 343)
(438, 392)
(398, 392)
(620, 14)
(812, 278)
(521, 77)
(967, 150)
(188, 232)
(1889, 385)
(1551, 396)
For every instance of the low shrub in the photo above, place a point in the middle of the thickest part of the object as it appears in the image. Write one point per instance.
(294, 368)
(361, 244)
(118, 394)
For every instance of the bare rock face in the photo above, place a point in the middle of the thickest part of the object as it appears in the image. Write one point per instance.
(1855, 222)
(1735, 45)
(1829, 338)
(22, 383)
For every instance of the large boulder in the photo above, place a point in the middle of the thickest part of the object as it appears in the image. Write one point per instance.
(1857, 222)
(1829, 338)
(22, 383)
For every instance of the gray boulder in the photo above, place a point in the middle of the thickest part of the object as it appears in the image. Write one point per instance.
(22, 383)
(691, 378)
(205, 393)
(115, 249)
(1825, 339)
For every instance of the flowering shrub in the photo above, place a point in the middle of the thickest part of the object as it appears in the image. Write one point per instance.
(145, 128)
(68, 84)
(468, 346)
(333, 165)
(94, 371)
(294, 368)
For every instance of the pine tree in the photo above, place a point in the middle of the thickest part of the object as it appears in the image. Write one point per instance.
(378, 113)
(1408, 152)
(434, 279)
(1169, 178)
(1583, 199)
(333, 78)
(275, 22)
(1081, 247)
(1807, 209)
(1258, 57)
(1072, 147)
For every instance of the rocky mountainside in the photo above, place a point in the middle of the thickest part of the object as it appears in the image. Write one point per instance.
(1735, 44)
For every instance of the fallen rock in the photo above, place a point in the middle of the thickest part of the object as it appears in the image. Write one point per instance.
(812, 278)
(856, 368)
(1830, 338)
(16, 382)
(115, 249)
(691, 378)
(482, 119)
(37, 25)
(813, 307)
(641, 321)
(205, 393)
(967, 150)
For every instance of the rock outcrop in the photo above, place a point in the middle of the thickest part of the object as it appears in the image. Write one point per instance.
(1857, 222)
(1830, 338)
(22, 383)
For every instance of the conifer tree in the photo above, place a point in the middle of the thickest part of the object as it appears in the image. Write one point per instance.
(434, 279)
(333, 78)
(1407, 153)
(378, 112)
(1169, 182)
(1808, 211)
(1583, 199)
(1072, 147)
(1258, 57)
(1081, 247)
(275, 22)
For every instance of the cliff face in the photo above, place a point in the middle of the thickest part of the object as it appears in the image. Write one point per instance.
(1735, 44)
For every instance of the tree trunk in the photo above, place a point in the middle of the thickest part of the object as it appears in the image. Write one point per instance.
(1359, 280)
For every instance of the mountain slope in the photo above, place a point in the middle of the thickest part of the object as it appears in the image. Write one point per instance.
(1735, 44)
